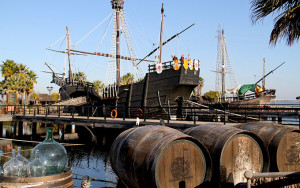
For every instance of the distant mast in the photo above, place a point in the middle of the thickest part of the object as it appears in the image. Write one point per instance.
(69, 56)
(264, 81)
(223, 66)
(118, 6)
(161, 32)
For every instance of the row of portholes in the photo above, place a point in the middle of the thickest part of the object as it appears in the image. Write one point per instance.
(114, 113)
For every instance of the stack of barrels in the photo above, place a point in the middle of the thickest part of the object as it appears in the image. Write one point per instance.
(158, 156)
(282, 142)
(210, 155)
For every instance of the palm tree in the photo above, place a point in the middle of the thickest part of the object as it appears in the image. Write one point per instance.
(127, 79)
(98, 86)
(8, 68)
(198, 90)
(15, 84)
(34, 96)
(30, 81)
(17, 78)
(80, 76)
(287, 23)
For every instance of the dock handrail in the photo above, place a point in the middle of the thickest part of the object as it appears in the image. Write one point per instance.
(249, 175)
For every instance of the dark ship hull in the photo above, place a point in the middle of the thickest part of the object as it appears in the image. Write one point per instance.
(154, 91)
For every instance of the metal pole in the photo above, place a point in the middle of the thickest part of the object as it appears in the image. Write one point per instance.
(245, 115)
(224, 116)
(104, 109)
(299, 119)
(194, 115)
(124, 113)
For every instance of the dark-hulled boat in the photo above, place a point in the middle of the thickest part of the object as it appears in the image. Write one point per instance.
(164, 84)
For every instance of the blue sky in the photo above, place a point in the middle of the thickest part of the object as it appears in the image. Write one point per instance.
(27, 28)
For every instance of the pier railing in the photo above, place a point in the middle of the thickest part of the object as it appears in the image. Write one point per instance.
(195, 112)
(272, 179)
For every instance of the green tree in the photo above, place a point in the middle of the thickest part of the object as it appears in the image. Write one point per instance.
(55, 96)
(198, 90)
(15, 84)
(127, 79)
(17, 79)
(212, 96)
(298, 98)
(30, 81)
(98, 86)
(287, 24)
(8, 68)
(79, 76)
(34, 96)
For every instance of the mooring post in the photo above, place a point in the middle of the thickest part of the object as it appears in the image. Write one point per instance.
(194, 115)
(20, 128)
(299, 119)
(124, 112)
(73, 111)
(1, 128)
(33, 128)
(61, 132)
(46, 113)
(147, 108)
(15, 109)
(58, 111)
(168, 116)
(24, 110)
(245, 115)
(224, 115)
(13, 128)
(104, 111)
(279, 119)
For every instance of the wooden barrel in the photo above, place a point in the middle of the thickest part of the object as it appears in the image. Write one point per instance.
(282, 142)
(233, 151)
(64, 180)
(158, 156)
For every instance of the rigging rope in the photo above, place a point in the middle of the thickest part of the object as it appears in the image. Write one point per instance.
(171, 49)
(92, 30)
(57, 41)
(90, 60)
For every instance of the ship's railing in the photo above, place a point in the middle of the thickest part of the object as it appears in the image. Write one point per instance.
(282, 115)
(165, 65)
(110, 91)
(252, 95)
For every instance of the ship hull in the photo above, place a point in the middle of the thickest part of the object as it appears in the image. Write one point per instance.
(152, 92)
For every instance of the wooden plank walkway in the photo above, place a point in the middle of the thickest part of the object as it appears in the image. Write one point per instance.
(110, 123)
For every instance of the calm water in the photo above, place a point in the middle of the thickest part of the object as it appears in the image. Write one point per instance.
(287, 103)
(91, 160)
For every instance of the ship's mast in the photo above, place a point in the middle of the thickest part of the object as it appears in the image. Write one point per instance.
(161, 32)
(263, 81)
(69, 56)
(223, 65)
(118, 6)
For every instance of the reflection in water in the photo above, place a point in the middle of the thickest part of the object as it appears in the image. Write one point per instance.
(85, 160)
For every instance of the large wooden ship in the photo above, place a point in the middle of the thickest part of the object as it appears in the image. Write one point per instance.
(165, 84)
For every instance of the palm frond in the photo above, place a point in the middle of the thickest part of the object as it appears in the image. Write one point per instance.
(287, 26)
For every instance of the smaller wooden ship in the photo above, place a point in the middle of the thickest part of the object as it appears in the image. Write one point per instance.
(258, 96)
